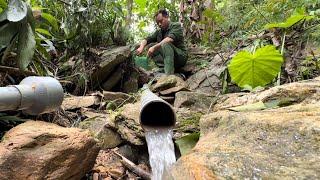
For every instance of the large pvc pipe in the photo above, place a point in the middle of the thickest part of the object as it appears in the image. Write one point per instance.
(155, 112)
(34, 95)
(8, 98)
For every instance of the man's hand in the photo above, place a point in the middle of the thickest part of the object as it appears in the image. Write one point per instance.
(151, 51)
(139, 50)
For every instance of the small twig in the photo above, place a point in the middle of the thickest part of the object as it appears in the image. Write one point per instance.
(134, 168)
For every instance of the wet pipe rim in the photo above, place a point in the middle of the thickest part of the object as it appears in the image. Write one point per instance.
(174, 117)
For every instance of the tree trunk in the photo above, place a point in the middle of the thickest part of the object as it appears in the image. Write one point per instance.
(129, 15)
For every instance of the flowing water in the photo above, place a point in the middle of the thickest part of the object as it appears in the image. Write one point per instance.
(161, 151)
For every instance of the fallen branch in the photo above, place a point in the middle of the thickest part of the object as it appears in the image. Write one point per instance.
(15, 71)
(134, 168)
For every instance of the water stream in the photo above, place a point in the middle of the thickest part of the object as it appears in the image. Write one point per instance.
(161, 151)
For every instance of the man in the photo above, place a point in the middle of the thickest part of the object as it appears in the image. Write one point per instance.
(169, 48)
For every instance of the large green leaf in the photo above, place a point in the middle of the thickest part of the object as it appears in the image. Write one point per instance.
(17, 10)
(292, 20)
(256, 69)
(186, 143)
(52, 20)
(26, 46)
(44, 32)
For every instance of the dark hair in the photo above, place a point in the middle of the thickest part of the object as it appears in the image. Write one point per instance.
(163, 12)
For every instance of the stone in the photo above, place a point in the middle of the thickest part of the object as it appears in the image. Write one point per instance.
(193, 100)
(281, 143)
(119, 98)
(99, 125)
(304, 91)
(75, 102)
(168, 84)
(111, 96)
(187, 122)
(41, 150)
(113, 79)
(131, 85)
(109, 163)
(110, 59)
(126, 121)
(207, 80)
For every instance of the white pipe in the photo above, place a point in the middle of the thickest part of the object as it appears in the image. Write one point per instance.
(34, 95)
(9, 98)
(155, 113)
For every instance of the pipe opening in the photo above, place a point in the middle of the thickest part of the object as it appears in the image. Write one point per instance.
(157, 114)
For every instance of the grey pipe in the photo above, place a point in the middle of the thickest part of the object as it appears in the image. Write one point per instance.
(155, 112)
(34, 95)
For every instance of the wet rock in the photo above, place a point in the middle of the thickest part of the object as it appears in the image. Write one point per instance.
(99, 125)
(194, 101)
(270, 144)
(110, 59)
(41, 150)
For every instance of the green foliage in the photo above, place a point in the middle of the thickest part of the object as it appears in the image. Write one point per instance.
(292, 20)
(186, 143)
(256, 69)
(229, 22)
(144, 12)
(17, 29)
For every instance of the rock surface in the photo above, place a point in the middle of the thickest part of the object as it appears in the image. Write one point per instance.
(304, 91)
(207, 80)
(194, 101)
(169, 84)
(74, 102)
(41, 150)
(127, 124)
(99, 125)
(278, 143)
(110, 59)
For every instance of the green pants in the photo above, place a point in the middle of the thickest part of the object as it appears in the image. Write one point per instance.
(170, 57)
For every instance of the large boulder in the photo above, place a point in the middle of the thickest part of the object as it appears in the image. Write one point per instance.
(277, 143)
(126, 121)
(207, 80)
(195, 101)
(99, 126)
(41, 150)
(304, 91)
(111, 58)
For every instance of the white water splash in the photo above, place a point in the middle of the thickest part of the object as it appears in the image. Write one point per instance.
(161, 151)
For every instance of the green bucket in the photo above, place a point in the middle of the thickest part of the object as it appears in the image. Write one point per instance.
(142, 61)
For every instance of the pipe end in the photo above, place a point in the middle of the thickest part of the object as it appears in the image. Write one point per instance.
(157, 114)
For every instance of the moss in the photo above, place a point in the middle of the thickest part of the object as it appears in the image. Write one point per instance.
(190, 123)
